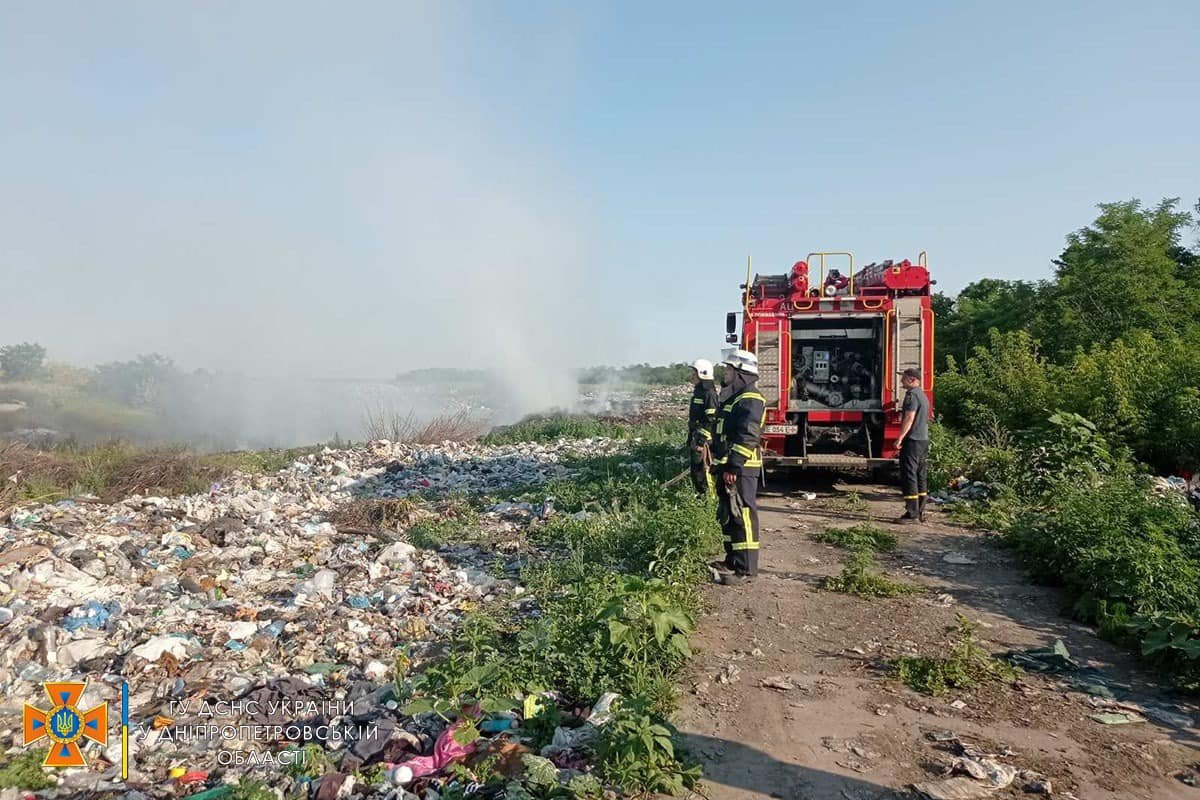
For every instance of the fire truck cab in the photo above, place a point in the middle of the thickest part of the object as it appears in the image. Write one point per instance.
(831, 344)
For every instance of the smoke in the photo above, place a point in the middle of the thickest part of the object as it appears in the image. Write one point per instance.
(289, 193)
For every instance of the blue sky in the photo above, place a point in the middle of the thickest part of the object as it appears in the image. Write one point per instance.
(369, 186)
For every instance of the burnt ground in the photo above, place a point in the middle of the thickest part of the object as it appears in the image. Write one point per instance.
(849, 732)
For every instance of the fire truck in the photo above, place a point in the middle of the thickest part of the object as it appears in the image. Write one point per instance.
(831, 344)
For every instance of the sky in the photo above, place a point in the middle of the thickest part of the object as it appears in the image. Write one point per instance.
(359, 188)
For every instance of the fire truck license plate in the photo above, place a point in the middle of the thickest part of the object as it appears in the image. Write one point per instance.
(784, 429)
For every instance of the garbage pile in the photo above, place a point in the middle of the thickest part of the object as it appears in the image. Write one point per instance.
(959, 490)
(654, 403)
(1177, 487)
(246, 611)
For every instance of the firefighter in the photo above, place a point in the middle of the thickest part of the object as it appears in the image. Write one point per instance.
(702, 417)
(914, 448)
(737, 464)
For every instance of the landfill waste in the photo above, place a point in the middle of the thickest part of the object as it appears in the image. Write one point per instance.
(1122, 718)
(995, 774)
(1177, 487)
(1057, 660)
(961, 490)
(247, 607)
(977, 773)
(953, 789)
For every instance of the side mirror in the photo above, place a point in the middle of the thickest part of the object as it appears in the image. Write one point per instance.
(731, 322)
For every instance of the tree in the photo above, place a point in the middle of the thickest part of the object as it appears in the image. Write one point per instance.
(1127, 271)
(986, 305)
(140, 382)
(23, 361)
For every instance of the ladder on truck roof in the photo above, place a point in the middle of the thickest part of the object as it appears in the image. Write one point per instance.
(907, 338)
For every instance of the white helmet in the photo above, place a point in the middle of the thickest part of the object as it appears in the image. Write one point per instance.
(704, 368)
(742, 361)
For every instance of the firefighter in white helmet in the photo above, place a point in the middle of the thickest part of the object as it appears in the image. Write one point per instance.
(702, 418)
(737, 464)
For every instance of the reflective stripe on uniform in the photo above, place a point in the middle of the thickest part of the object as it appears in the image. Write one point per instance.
(751, 543)
(710, 411)
(746, 396)
(705, 433)
(912, 496)
(698, 401)
(743, 450)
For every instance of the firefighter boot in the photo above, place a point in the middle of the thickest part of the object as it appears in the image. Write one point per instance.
(912, 511)
(921, 507)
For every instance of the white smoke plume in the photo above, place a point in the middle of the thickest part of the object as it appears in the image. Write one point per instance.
(288, 191)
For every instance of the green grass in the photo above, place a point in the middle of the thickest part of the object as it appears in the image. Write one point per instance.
(967, 666)
(857, 578)
(864, 535)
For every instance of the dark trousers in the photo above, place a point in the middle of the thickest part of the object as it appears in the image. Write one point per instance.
(914, 474)
(737, 511)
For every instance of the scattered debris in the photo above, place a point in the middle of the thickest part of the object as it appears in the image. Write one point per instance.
(1115, 718)
(729, 674)
(1057, 660)
(993, 773)
(953, 789)
(958, 558)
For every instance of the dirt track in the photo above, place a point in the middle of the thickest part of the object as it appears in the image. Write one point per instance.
(846, 732)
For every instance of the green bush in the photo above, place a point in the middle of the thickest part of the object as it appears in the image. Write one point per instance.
(1054, 389)
(637, 753)
(24, 771)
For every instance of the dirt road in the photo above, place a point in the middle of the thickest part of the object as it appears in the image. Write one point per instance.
(848, 732)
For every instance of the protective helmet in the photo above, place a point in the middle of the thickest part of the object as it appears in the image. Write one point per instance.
(742, 361)
(704, 368)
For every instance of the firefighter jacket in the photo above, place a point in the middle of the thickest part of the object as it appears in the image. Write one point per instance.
(702, 413)
(737, 439)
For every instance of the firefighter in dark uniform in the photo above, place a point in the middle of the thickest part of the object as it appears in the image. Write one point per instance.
(702, 418)
(737, 464)
(914, 448)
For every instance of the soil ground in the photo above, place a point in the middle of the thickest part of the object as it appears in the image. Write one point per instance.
(849, 732)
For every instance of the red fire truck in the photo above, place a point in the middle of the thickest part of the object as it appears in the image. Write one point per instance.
(831, 344)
